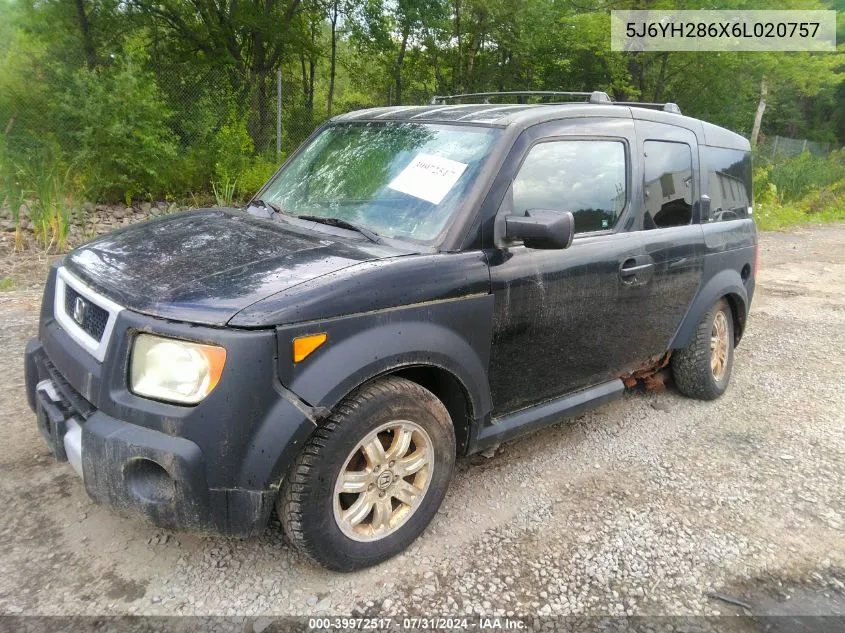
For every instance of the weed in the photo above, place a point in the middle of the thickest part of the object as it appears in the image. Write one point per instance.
(51, 212)
(12, 191)
(224, 193)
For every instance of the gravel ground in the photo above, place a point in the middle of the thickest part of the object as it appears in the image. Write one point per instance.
(645, 506)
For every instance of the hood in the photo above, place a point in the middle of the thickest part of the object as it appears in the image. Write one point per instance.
(206, 266)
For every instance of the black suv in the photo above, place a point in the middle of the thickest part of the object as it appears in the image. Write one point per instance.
(415, 283)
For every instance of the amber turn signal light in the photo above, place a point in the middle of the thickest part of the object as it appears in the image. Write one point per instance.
(304, 346)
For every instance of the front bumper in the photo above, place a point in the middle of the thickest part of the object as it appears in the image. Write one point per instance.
(144, 471)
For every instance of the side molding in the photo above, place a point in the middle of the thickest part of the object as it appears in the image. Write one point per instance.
(547, 413)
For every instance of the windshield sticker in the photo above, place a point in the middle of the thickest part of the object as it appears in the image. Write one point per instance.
(428, 177)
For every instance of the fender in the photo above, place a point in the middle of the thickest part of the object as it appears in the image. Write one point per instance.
(452, 334)
(724, 283)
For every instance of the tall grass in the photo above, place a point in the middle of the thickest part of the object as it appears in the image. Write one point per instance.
(805, 188)
(51, 211)
(224, 192)
(12, 192)
(43, 186)
(795, 178)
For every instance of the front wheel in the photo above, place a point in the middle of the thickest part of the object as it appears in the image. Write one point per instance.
(371, 478)
(702, 369)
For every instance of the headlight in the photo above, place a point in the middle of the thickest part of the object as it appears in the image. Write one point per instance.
(173, 370)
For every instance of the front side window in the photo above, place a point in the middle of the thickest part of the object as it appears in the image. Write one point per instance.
(585, 177)
(403, 180)
(668, 184)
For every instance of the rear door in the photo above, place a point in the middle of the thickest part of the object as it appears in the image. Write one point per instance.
(672, 235)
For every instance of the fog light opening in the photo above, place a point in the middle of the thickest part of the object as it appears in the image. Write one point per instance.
(149, 481)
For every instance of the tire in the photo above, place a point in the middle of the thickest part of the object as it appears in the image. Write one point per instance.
(694, 375)
(312, 511)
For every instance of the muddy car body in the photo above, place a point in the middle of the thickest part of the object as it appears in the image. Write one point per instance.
(331, 348)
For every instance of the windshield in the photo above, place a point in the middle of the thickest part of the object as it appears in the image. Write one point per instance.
(403, 180)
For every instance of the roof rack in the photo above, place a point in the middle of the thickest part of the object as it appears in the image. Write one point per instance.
(666, 107)
(595, 97)
(590, 97)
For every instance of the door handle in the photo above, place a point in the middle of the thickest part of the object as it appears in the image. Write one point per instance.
(630, 271)
(636, 271)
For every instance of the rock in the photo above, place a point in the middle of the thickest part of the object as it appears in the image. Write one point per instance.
(145, 207)
(261, 624)
(546, 609)
(311, 601)
(324, 605)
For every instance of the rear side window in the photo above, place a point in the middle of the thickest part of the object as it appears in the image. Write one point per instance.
(585, 177)
(668, 184)
(729, 183)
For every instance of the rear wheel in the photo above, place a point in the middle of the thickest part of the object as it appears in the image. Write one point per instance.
(702, 370)
(371, 478)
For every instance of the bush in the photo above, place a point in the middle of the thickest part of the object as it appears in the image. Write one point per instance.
(236, 167)
(796, 177)
(797, 190)
(255, 173)
(116, 125)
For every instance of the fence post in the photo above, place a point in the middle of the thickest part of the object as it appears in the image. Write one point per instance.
(278, 113)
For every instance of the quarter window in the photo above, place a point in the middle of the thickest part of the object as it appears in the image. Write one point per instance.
(585, 177)
(668, 184)
(729, 173)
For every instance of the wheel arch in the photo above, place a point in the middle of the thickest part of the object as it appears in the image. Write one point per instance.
(442, 382)
(446, 386)
(444, 347)
(727, 285)
(449, 389)
(739, 314)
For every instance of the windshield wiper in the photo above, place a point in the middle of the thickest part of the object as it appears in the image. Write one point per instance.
(266, 205)
(344, 224)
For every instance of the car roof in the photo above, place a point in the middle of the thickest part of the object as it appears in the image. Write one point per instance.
(525, 115)
(498, 115)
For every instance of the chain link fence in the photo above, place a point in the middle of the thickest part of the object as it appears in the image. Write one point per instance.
(785, 147)
(234, 131)
(278, 110)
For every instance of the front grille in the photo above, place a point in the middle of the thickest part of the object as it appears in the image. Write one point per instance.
(94, 318)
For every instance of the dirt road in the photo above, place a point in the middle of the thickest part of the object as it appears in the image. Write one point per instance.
(645, 506)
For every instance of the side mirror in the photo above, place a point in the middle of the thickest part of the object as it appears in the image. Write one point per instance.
(541, 228)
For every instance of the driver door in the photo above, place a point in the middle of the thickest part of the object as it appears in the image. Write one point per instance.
(568, 319)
